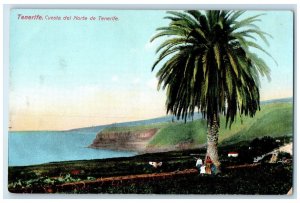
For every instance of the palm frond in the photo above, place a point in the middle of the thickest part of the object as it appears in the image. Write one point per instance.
(206, 62)
(217, 55)
(246, 22)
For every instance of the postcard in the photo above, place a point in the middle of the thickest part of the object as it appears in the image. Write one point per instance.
(195, 102)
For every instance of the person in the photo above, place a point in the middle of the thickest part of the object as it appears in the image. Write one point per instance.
(202, 169)
(213, 169)
(208, 168)
(199, 163)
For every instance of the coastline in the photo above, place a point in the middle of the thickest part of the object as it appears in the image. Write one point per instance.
(125, 175)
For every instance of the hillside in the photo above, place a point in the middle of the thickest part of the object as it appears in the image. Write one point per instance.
(275, 120)
(159, 120)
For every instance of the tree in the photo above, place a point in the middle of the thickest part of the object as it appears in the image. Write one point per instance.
(207, 65)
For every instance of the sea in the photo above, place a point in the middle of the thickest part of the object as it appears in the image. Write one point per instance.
(38, 147)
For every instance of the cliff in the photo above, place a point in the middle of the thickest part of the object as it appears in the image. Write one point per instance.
(274, 120)
(127, 140)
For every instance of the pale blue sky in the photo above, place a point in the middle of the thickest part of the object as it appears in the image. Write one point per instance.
(83, 73)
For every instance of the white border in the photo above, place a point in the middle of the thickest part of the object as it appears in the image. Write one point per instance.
(119, 4)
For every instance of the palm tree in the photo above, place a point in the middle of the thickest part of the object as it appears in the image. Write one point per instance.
(207, 66)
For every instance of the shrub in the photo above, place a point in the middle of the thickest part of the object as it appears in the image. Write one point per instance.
(263, 145)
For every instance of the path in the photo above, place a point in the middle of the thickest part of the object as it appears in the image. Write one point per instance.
(117, 180)
(123, 179)
(288, 148)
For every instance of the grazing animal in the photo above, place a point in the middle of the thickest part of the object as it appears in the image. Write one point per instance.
(155, 164)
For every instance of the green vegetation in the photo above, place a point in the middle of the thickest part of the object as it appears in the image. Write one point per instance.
(268, 180)
(274, 120)
(260, 179)
(181, 133)
(206, 64)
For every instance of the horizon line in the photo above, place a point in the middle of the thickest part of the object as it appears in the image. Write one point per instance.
(146, 119)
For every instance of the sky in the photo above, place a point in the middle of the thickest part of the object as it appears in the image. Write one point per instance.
(66, 74)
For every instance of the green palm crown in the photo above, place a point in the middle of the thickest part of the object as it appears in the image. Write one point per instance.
(208, 65)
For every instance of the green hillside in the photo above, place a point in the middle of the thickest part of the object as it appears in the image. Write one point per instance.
(275, 120)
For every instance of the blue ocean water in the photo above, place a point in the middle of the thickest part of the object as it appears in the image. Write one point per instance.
(30, 148)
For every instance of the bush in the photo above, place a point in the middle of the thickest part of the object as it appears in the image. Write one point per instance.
(284, 155)
(263, 145)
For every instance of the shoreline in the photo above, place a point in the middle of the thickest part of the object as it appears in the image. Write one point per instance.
(135, 175)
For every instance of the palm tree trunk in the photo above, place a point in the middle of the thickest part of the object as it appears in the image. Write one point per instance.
(212, 143)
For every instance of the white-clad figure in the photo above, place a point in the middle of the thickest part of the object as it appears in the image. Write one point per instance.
(199, 163)
(202, 169)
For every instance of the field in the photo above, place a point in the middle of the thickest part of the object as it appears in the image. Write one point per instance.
(177, 175)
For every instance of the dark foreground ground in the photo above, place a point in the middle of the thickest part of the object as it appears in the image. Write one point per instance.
(177, 175)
